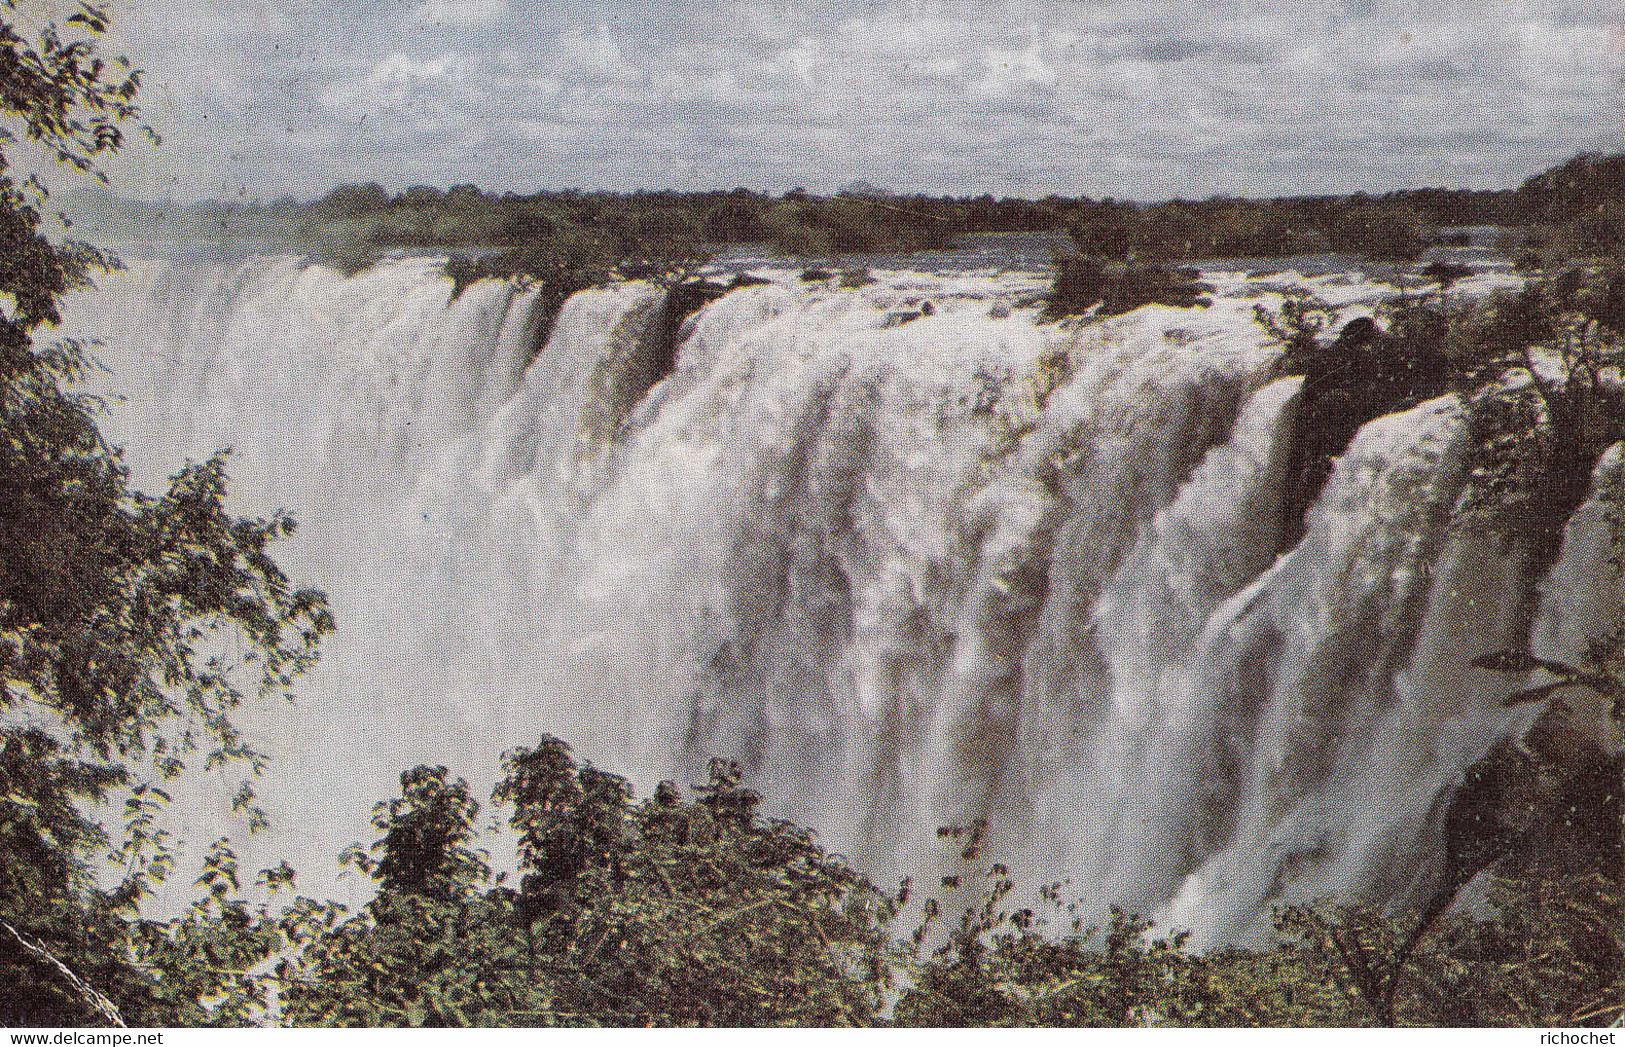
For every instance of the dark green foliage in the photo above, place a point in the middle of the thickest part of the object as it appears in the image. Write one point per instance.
(1581, 203)
(697, 912)
(1363, 373)
(1181, 229)
(1547, 954)
(207, 958)
(1011, 969)
(355, 199)
(1111, 288)
(1383, 232)
(664, 912)
(1536, 375)
(1545, 951)
(1573, 212)
(1005, 966)
(1389, 229)
(1446, 274)
(824, 227)
(1575, 187)
(1533, 367)
(1573, 209)
(568, 818)
(45, 841)
(1551, 957)
(424, 847)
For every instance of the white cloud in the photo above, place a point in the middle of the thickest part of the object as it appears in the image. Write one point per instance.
(595, 55)
(803, 60)
(459, 14)
(1121, 97)
(1009, 71)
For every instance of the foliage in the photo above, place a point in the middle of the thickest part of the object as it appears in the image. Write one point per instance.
(1551, 957)
(1549, 954)
(1446, 274)
(207, 961)
(1297, 327)
(1542, 386)
(1111, 288)
(1544, 950)
(122, 615)
(1536, 368)
(1386, 233)
(665, 912)
(696, 912)
(426, 832)
(1002, 969)
(1573, 208)
(1574, 211)
(1181, 229)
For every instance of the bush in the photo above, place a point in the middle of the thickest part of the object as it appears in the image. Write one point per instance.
(1081, 283)
(1540, 377)
(1382, 232)
(665, 912)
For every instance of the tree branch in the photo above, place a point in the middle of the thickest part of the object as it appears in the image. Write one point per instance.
(93, 1000)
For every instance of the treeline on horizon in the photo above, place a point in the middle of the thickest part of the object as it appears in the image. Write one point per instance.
(1575, 208)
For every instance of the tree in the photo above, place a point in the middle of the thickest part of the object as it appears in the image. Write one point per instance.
(665, 912)
(121, 613)
(426, 832)
(1544, 401)
(1383, 232)
(1113, 288)
(357, 199)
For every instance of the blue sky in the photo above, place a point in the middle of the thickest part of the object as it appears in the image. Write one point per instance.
(1145, 99)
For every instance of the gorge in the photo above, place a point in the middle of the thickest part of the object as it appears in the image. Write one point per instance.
(908, 566)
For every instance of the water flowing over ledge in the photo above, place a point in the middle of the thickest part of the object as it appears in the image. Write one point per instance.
(909, 566)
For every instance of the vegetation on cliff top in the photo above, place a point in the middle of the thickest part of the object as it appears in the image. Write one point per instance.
(1575, 207)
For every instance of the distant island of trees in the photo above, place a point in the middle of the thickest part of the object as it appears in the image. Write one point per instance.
(1111, 255)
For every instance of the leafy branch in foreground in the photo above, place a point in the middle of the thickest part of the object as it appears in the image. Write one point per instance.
(132, 626)
(665, 912)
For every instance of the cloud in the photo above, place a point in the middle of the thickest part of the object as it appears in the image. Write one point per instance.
(1182, 48)
(1010, 71)
(594, 55)
(1135, 98)
(459, 14)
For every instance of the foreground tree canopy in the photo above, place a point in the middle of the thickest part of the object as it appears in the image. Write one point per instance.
(690, 909)
(121, 613)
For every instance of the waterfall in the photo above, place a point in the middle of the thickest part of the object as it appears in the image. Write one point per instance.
(909, 567)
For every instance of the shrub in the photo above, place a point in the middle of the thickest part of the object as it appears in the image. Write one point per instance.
(1382, 232)
(1082, 283)
(665, 912)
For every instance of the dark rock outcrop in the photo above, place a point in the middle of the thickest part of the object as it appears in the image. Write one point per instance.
(1361, 375)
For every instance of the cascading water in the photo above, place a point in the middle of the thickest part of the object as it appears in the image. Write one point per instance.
(908, 566)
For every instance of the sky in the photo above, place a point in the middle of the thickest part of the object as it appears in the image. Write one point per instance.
(1144, 99)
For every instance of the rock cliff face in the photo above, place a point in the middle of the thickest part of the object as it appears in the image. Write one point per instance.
(1361, 375)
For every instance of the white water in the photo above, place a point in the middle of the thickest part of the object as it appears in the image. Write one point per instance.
(870, 560)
